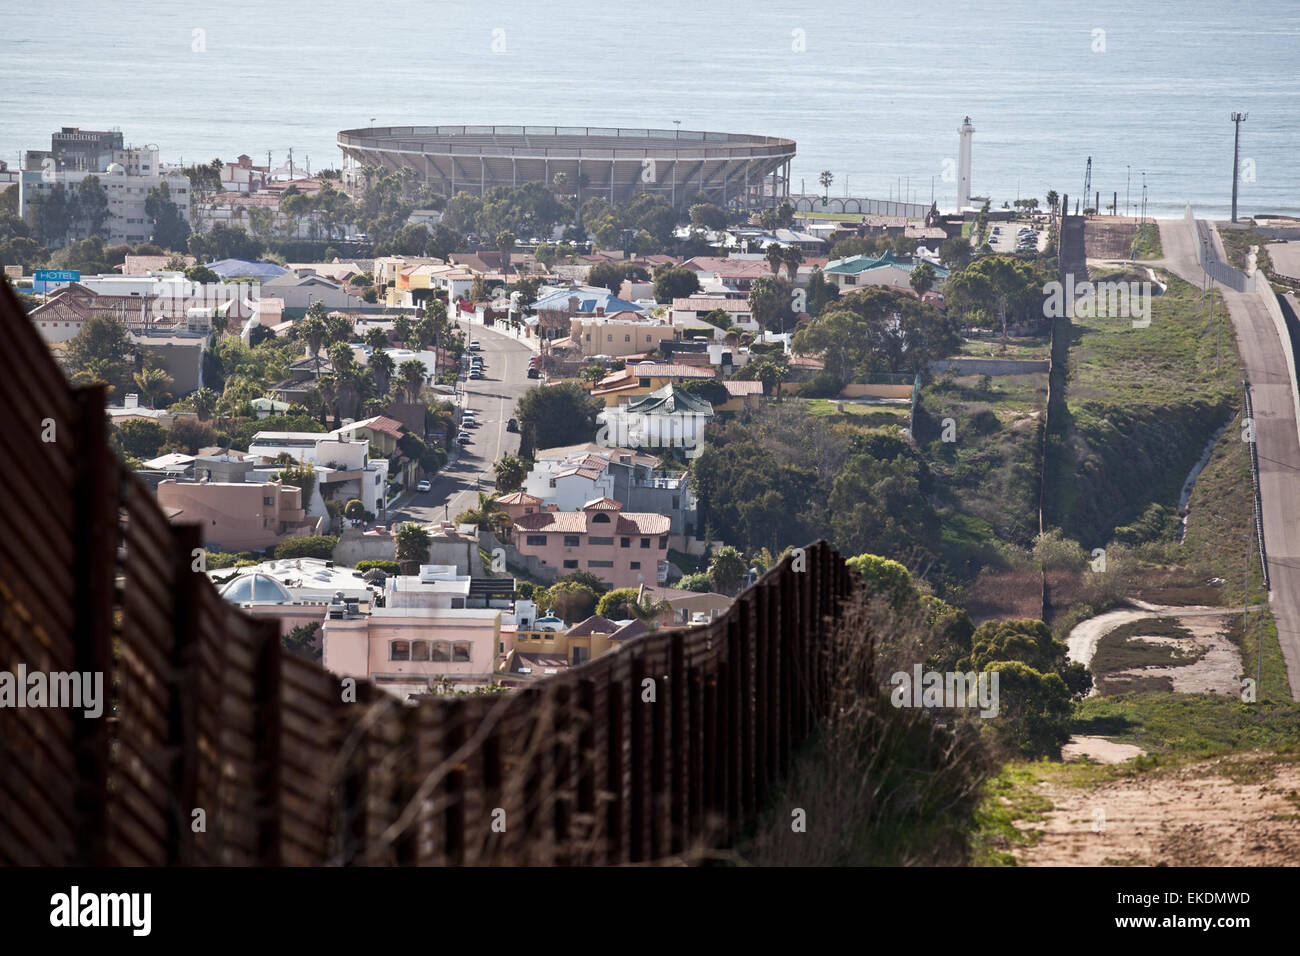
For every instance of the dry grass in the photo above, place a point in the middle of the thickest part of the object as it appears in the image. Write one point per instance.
(879, 786)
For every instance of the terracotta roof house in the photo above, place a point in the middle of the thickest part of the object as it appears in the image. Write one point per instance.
(642, 378)
(593, 625)
(519, 503)
(143, 265)
(622, 548)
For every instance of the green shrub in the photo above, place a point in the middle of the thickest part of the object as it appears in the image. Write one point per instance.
(319, 546)
(220, 560)
(388, 567)
(822, 385)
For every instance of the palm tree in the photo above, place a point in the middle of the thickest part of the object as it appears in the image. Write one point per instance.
(826, 178)
(510, 473)
(152, 382)
(382, 366)
(205, 403)
(326, 386)
(412, 375)
(421, 335)
(487, 515)
(774, 257)
(402, 329)
(412, 543)
(340, 356)
(315, 404)
(338, 328)
(312, 331)
(922, 279)
(505, 240)
(349, 379)
(792, 256)
(376, 338)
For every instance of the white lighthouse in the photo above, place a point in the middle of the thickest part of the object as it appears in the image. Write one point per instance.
(964, 132)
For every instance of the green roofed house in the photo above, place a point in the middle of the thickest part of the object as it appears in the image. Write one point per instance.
(265, 407)
(888, 270)
(669, 417)
(671, 399)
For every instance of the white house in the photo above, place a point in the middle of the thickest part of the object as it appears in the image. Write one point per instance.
(344, 468)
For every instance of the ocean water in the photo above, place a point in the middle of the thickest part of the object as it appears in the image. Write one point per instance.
(872, 91)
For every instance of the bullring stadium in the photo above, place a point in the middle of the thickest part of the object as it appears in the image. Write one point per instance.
(730, 169)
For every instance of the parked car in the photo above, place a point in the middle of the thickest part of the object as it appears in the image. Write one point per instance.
(475, 374)
(512, 425)
(423, 485)
(463, 438)
(532, 373)
(474, 345)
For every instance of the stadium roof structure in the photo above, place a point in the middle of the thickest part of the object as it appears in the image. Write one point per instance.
(729, 169)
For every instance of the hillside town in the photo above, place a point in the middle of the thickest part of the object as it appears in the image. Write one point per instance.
(457, 427)
(318, 418)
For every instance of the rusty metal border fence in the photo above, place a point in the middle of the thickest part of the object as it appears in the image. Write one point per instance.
(217, 749)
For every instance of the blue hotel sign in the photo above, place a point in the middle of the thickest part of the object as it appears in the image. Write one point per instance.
(44, 280)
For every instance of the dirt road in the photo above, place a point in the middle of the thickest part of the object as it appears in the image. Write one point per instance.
(1240, 810)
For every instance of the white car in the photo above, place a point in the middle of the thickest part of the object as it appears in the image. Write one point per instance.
(463, 438)
(423, 485)
(474, 345)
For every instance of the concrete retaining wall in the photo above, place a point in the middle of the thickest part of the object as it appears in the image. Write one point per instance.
(355, 545)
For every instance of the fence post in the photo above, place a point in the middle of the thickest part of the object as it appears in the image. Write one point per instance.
(96, 474)
(682, 771)
(588, 768)
(268, 692)
(735, 726)
(183, 710)
(615, 812)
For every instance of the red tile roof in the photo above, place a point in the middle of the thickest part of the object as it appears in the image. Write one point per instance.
(577, 522)
(519, 498)
(730, 268)
(592, 625)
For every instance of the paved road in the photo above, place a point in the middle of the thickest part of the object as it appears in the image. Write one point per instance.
(1275, 433)
(492, 399)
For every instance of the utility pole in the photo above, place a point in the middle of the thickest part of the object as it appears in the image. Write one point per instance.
(1237, 120)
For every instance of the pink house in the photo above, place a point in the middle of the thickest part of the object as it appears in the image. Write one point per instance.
(407, 650)
(520, 503)
(623, 548)
(238, 516)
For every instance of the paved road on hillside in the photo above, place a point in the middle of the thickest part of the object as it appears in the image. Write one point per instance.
(1275, 434)
(492, 399)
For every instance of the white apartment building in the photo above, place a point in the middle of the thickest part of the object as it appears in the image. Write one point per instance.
(127, 192)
